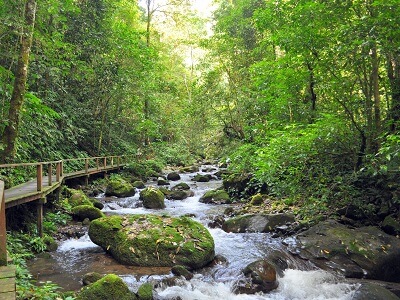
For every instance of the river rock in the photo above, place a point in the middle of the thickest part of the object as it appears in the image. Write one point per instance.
(261, 277)
(181, 187)
(217, 196)
(179, 270)
(139, 184)
(78, 197)
(201, 178)
(109, 287)
(173, 176)
(189, 169)
(390, 225)
(356, 252)
(373, 292)
(179, 195)
(96, 203)
(154, 241)
(256, 222)
(81, 212)
(152, 198)
(91, 277)
(119, 187)
(145, 291)
(162, 181)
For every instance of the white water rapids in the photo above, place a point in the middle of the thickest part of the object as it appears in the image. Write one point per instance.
(299, 282)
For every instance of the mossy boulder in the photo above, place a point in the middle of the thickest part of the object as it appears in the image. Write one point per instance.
(119, 187)
(390, 225)
(96, 203)
(180, 195)
(201, 178)
(145, 292)
(162, 181)
(151, 240)
(355, 252)
(181, 187)
(138, 184)
(179, 270)
(110, 287)
(152, 198)
(78, 197)
(189, 169)
(91, 277)
(81, 212)
(215, 197)
(51, 244)
(256, 199)
(257, 222)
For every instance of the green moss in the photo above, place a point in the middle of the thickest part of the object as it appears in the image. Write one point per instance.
(51, 244)
(151, 240)
(257, 199)
(82, 212)
(216, 196)
(152, 198)
(119, 187)
(110, 287)
(78, 197)
(145, 292)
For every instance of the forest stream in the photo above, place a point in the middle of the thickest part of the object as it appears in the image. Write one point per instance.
(76, 257)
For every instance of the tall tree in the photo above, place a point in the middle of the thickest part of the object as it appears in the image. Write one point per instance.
(21, 72)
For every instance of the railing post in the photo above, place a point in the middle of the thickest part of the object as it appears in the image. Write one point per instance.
(39, 176)
(61, 168)
(112, 161)
(58, 171)
(105, 162)
(50, 173)
(86, 165)
(118, 161)
(97, 163)
(3, 233)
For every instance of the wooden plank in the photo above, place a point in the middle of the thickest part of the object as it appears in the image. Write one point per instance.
(7, 271)
(8, 296)
(7, 285)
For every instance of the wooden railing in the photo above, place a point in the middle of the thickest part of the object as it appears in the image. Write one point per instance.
(57, 168)
(3, 241)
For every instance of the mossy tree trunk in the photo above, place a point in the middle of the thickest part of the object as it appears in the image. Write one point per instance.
(17, 98)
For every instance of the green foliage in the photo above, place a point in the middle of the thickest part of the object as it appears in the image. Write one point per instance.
(144, 168)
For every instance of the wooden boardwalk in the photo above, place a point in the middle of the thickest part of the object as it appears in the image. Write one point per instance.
(37, 190)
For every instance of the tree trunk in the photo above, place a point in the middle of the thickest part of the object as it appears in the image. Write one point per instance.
(394, 78)
(17, 97)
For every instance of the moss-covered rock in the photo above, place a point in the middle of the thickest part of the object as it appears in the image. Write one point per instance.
(145, 292)
(181, 187)
(119, 187)
(78, 197)
(96, 203)
(256, 199)
(179, 270)
(138, 184)
(150, 240)
(356, 252)
(51, 244)
(81, 212)
(179, 195)
(152, 198)
(257, 222)
(110, 287)
(91, 277)
(390, 225)
(201, 178)
(216, 197)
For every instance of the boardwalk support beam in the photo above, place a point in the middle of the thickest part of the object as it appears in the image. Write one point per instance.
(39, 207)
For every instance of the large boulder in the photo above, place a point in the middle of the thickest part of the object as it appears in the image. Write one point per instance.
(110, 287)
(152, 198)
(119, 187)
(373, 292)
(181, 187)
(260, 277)
(151, 241)
(202, 178)
(257, 222)
(81, 212)
(356, 252)
(215, 197)
(179, 195)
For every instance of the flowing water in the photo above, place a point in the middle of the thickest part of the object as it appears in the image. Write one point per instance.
(76, 257)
